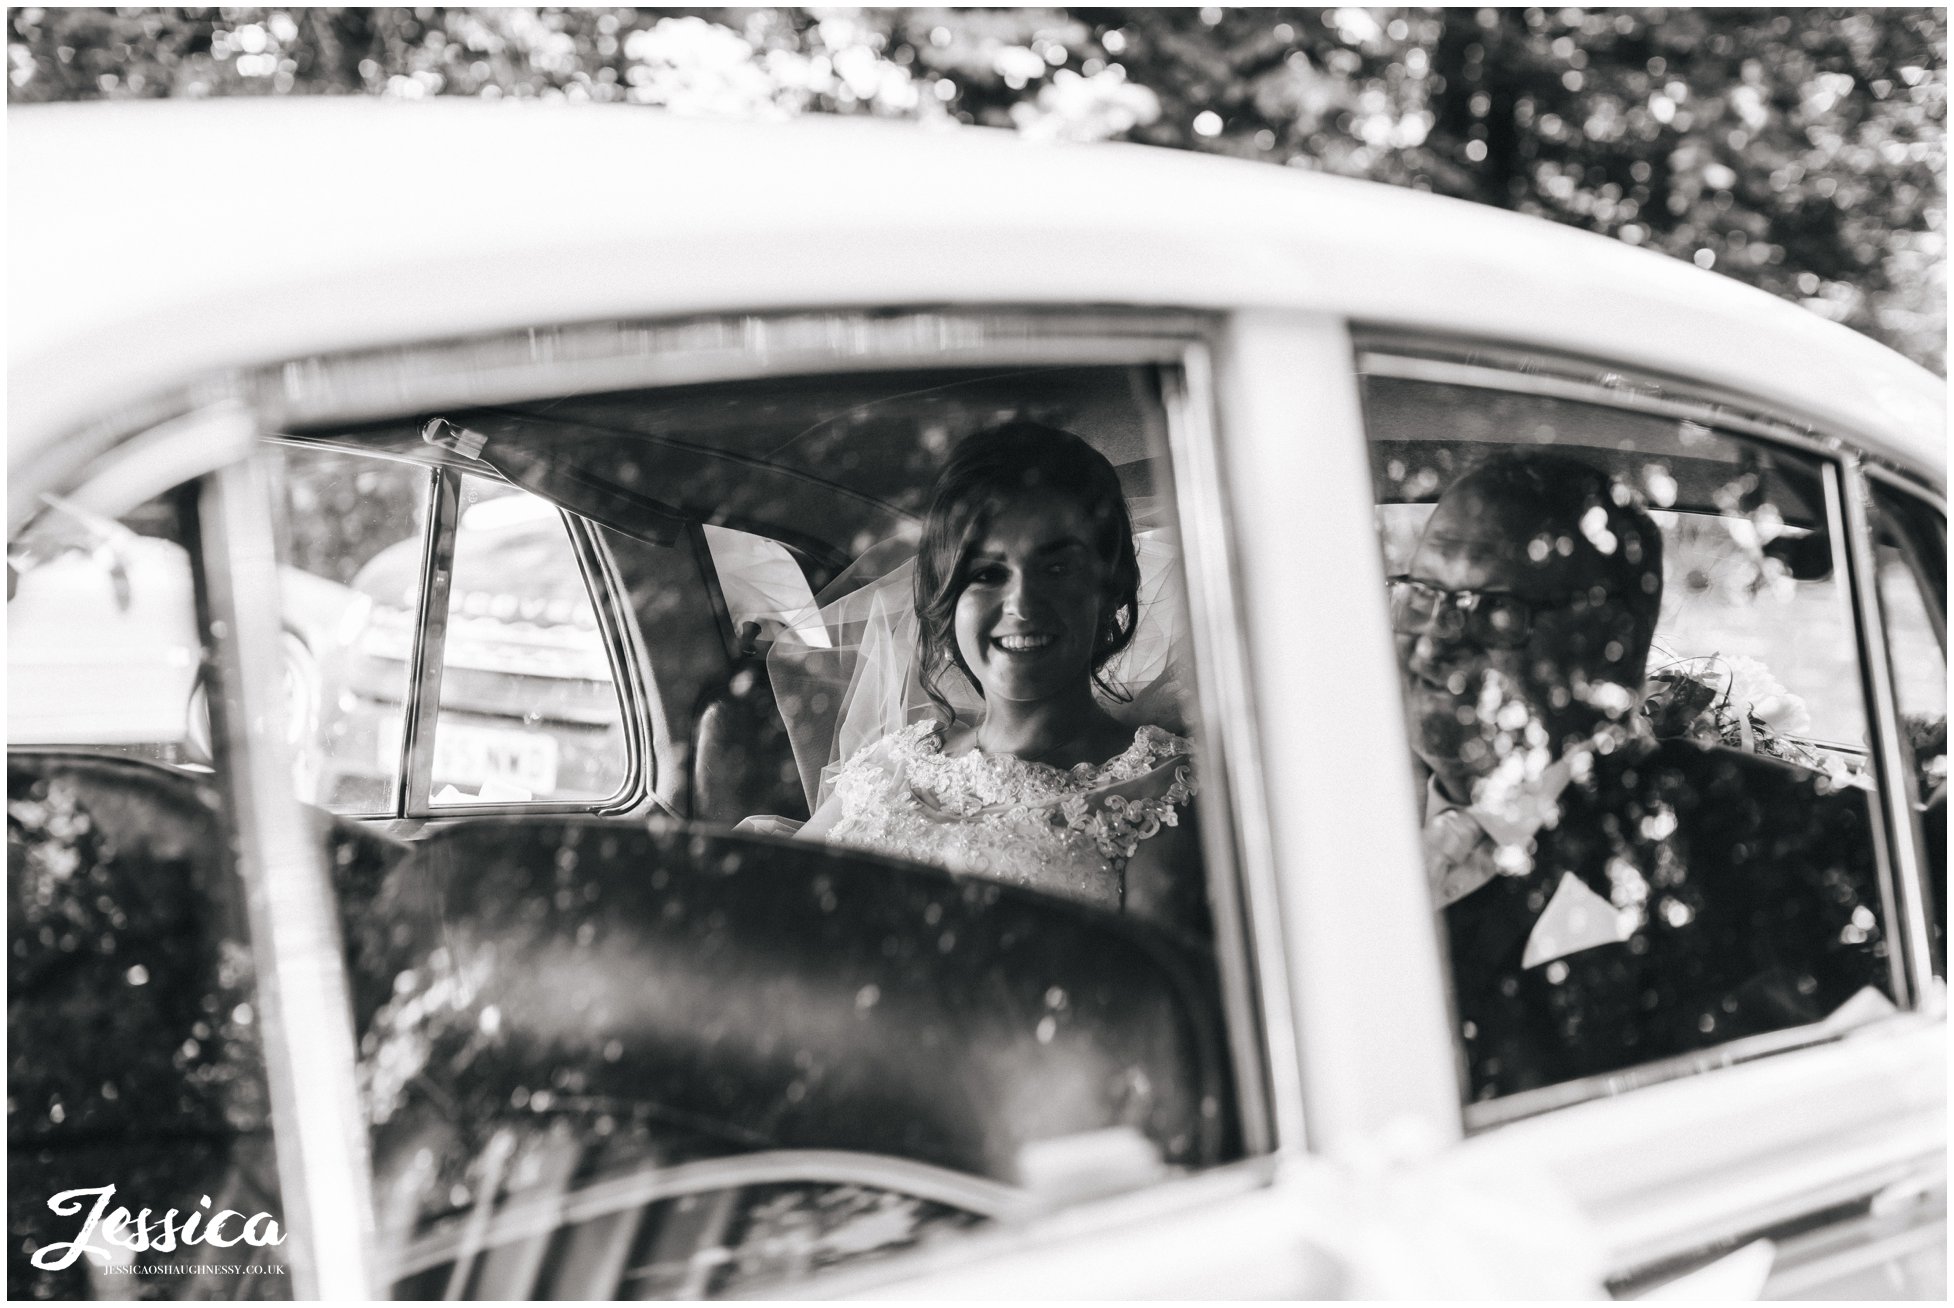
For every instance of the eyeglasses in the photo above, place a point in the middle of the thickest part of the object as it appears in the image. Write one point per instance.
(1494, 619)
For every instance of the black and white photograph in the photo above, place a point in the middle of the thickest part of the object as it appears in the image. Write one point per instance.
(990, 653)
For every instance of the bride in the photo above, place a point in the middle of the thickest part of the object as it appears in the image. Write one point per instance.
(1026, 588)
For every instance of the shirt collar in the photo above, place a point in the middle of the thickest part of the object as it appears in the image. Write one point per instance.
(1519, 813)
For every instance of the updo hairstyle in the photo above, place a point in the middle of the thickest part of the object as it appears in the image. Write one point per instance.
(985, 473)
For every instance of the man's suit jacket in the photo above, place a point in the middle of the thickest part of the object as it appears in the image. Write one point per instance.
(1760, 911)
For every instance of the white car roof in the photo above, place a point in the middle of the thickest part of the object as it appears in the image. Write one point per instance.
(155, 243)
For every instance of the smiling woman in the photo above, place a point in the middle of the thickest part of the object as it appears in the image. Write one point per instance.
(1027, 589)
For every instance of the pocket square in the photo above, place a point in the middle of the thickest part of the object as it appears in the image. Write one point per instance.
(1576, 919)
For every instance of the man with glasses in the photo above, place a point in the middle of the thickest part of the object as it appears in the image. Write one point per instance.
(1608, 899)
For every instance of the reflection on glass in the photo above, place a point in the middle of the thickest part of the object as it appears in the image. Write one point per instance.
(132, 1003)
(608, 1057)
(529, 709)
(1634, 702)
(102, 645)
(352, 538)
(601, 1055)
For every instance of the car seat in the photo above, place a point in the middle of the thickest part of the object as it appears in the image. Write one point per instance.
(742, 760)
(783, 995)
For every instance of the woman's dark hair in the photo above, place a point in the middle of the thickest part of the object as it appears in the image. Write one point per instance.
(987, 471)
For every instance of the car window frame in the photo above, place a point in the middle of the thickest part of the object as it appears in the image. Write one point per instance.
(1916, 500)
(624, 652)
(623, 649)
(1381, 351)
(316, 392)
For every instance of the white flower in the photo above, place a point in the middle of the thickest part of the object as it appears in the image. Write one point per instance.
(1755, 690)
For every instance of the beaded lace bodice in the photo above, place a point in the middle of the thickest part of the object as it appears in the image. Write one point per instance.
(1065, 830)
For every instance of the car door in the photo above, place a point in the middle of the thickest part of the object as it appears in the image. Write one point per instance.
(177, 1048)
(1772, 619)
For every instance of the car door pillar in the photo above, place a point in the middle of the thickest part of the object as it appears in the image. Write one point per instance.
(1903, 899)
(305, 1014)
(1356, 916)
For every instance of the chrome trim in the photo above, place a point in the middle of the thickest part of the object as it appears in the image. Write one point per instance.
(543, 1215)
(1885, 485)
(1905, 881)
(428, 459)
(1550, 386)
(623, 651)
(320, 1128)
(1884, 482)
(1737, 408)
(1484, 1114)
(1801, 1274)
(397, 806)
(630, 660)
(1268, 1089)
(429, 652)
(1798, 1203)
(1673, 1171)
(1648, 1271)
(1879, 471)
(506, 367)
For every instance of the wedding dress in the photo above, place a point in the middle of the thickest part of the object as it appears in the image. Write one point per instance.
(1067, 831)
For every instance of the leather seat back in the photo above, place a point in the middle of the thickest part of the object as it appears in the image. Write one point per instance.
(742, 761)
(784, 995)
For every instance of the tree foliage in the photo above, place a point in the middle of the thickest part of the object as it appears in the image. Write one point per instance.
(1802, 151)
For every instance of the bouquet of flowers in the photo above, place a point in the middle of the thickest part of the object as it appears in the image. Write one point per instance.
(1735, 701)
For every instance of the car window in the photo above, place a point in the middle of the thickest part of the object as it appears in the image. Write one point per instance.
(130, 979)
(1911, 557)
(697, 1057)
(1635, 709)
(102, 644)
(1720, 630)
(352, 532)
(763, 584)
(529, 708)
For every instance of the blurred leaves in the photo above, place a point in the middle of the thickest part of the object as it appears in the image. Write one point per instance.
(1802, 151)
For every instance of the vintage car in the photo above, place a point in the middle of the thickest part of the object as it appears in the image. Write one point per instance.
(587, 409)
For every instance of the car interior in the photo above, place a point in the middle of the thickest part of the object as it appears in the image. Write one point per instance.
(825, 467)
(713, 995)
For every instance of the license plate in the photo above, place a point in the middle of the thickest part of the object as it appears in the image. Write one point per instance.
(486, 759)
